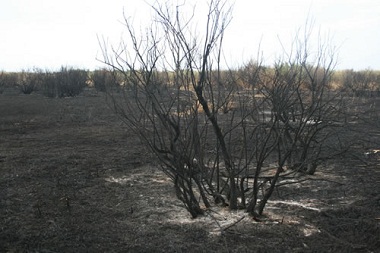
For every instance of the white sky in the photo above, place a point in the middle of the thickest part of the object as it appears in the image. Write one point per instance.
(52, 33)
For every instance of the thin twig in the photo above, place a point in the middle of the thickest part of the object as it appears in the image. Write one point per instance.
(233, 224)
(307, 179)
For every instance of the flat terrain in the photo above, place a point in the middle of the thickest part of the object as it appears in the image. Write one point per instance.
(73, 179)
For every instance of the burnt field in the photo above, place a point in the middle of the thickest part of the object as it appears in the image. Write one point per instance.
(74, 179)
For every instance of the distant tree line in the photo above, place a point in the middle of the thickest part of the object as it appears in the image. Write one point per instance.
(359, 83)
(69, 82)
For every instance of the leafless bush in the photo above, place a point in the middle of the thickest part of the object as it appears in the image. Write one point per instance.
(29, 81)
(49, 85)
(68, 82)
(71, 82)
(3, 81)
(103, 78)
(215, 132)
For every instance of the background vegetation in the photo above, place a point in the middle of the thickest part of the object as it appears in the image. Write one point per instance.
(354, 83)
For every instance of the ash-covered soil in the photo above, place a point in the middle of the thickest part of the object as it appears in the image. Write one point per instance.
(74, 179)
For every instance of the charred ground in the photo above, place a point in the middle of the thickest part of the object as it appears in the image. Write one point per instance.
(73, 179)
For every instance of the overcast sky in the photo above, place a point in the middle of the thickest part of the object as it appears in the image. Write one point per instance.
(51, 33)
